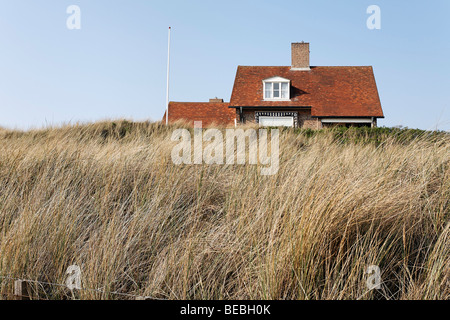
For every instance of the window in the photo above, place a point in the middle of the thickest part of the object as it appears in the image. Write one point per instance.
(268, 90)
(284, 90)
(276, 89)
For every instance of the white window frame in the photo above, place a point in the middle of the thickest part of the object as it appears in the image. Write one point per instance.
(280, 81)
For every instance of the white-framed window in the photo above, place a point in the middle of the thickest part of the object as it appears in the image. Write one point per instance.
(276, 88)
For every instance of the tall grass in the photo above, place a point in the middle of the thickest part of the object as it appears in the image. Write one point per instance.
(107, 197)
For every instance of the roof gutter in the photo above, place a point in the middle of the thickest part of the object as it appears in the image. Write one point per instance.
(346, 117)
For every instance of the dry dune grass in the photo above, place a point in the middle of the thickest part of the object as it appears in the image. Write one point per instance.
(107, 197)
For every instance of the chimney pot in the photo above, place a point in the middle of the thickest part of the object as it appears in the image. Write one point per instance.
(216, 100)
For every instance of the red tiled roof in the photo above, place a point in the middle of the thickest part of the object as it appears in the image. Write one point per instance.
(207, 112)
(329, 91)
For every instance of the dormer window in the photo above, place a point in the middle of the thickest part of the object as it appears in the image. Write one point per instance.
(276, 88)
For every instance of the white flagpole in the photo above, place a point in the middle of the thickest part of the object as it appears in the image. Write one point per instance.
(168, 72)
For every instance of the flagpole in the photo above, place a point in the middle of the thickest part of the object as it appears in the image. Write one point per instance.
(168, 73)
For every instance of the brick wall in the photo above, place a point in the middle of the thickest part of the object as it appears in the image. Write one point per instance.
(312, 123)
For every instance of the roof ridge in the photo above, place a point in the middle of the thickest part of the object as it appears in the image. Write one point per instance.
(367, 66)
(205, 102)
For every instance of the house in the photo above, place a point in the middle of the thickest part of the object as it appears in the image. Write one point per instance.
(299, 95)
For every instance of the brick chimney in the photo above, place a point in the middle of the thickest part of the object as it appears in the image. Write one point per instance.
(300, 56)
(216, 100)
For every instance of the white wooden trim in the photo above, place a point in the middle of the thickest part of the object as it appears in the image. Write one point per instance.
(289, 121)
(346, 120)
(277, 99)
(301, 69)
(276, 79)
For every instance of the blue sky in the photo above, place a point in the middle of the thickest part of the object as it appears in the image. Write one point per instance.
(115, 66)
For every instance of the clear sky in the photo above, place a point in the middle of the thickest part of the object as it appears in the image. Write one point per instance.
(115, 65)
